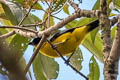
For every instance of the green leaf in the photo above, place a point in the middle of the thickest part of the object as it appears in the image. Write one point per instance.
(117, 3)
(65, 9)
(3, 18)
(76, 23)
(45, 68)
(76, 59)
(97, 5)
(96, 48)
(38, 7)
(93, 34)
(71, 24)
(13, 12)
(93, 69)
(18, 44)
(2, 14)
(37, 69)
(31, 19)
(83, 21)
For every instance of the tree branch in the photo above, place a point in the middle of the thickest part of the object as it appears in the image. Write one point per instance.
(74, 5)
(27, 12)
(86, 13)
(7, 34)
(112, 61)
(35, 53)
(21, 28)
(105, 26)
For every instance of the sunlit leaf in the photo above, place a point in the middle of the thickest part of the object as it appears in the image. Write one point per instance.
(3, 18)
(2, 14)
(93, 69)
(96, 48)
(65, 9)
(76, 23)
(83, 21)
(13, 12)
(71, 24)
(97, 5)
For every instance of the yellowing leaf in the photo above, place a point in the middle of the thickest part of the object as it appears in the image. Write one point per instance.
(65, 9)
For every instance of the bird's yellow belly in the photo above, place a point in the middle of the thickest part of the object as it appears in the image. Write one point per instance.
(64, 48)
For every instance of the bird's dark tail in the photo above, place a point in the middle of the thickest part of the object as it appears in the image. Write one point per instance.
(93, 25)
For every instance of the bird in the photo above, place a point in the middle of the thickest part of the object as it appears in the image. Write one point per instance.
(66, 41)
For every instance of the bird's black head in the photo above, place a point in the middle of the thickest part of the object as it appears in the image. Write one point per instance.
(35, 41)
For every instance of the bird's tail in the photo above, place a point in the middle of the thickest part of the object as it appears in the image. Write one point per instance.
(93, 25)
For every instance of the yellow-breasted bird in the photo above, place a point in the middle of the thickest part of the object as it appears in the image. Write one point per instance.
(66, 41)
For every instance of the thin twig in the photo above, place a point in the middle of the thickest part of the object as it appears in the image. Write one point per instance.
(32, 25)
(35, 53)
(57, 17)
(7, 34)
(27, 12)
(74, 5)
(59, 54)
(21, 28)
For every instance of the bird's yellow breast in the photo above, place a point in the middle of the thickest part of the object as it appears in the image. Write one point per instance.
(66, 43)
